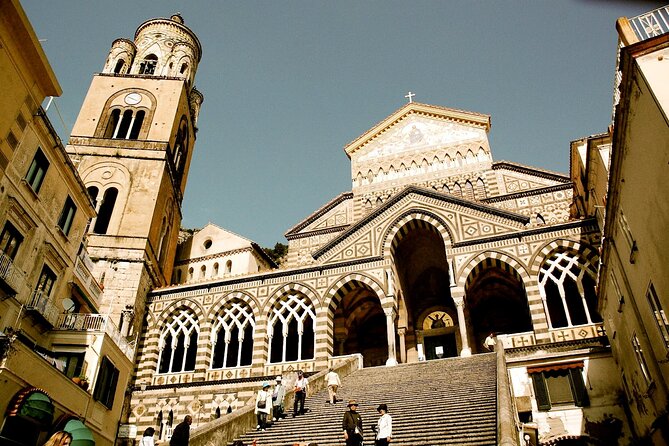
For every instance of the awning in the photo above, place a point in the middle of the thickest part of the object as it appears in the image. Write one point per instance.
(33, 403)
(81, 435)
(554, 367)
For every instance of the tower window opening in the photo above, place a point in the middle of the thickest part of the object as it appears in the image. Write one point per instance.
(184, 67)
(112, 123)
(137, 124)
(119, 66)
(148, 66)
(129, 125)
(106, 210)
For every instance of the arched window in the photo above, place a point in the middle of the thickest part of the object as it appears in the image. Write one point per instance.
(149, 64)
(480, 189)
(228, 267)
(232, 336)
(291, 328)
(93, 193)
(457, 190)
(567, 285)
(183, 69)
(106, 210)
(178, 343)
(129, 126)
(112, 124)
(215, 271)
(469, 190)
(203, 271)
(137, 122)
(190, 273)
(119, 66)
(180, 146)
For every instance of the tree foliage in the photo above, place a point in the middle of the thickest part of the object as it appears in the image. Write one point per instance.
(278, 253)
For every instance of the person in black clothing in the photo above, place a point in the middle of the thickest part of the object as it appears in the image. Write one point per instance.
(181, 433)
(352, 425)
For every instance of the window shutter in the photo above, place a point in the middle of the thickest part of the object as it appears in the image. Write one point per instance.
(541, 391)
(578, 388)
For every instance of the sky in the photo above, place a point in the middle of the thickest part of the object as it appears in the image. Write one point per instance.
(288, 84)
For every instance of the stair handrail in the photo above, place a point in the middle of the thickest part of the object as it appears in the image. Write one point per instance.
(507, 433)
(233, 425)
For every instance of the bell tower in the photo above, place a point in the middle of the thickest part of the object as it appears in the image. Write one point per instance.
(132, 144)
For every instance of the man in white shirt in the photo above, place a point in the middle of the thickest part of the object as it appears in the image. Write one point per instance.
(332, 379)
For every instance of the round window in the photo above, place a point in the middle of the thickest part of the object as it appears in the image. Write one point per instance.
(207, 244)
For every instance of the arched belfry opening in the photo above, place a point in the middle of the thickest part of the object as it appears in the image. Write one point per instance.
(359, 324)
(427, 316)
(496, 301)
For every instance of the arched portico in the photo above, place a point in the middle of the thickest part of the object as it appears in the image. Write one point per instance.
(496, 301)
(359, 321)
(428, 319)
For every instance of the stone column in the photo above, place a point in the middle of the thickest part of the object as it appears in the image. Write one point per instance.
(390, 330)
(460, 305)
(403, 346)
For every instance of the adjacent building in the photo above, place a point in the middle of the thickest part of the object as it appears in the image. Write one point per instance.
(63, 364)
(633, 283)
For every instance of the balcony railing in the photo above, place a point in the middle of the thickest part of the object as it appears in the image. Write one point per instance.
(39, 302)
(9, 273)
(96, 323)
(651, 24)
(87, 280)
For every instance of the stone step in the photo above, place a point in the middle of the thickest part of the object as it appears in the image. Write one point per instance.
(428, 403)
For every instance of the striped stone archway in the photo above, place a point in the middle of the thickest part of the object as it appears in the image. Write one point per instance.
(414, 219)
(342, 318)
(525, 314)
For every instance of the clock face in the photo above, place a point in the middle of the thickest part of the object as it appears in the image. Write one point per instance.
(133, 98)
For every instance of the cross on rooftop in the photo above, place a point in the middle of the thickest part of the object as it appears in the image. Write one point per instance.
(410, 96)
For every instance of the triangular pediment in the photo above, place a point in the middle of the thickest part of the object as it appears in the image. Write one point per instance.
(417, 127)
(464, 220)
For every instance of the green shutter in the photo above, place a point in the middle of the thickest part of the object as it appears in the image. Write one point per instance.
(578, 388)
(541, 391)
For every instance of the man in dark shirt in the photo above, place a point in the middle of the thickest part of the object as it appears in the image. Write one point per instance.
(181, 433)
(352, 425)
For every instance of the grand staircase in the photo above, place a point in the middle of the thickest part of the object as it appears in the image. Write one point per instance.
(443, 402)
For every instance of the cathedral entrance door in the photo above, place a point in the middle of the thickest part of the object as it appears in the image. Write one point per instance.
(440, 346)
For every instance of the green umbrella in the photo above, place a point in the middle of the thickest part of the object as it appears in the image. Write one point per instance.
(81, 435)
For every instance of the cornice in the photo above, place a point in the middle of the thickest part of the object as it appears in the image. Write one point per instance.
(521, 168)
(529, 193)
(530, 232)
(261, 277)
(320, 212)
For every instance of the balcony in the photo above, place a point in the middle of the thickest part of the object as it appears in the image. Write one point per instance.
(650, 24)
(88, 283)
(87, 322)
(40, 304)
(11, 277)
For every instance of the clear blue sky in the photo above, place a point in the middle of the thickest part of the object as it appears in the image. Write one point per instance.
(288, 84)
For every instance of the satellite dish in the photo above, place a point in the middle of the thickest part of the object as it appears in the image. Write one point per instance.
(68, 305)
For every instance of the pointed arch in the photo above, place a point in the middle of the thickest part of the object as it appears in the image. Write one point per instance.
(291, 327)
(178, 340)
